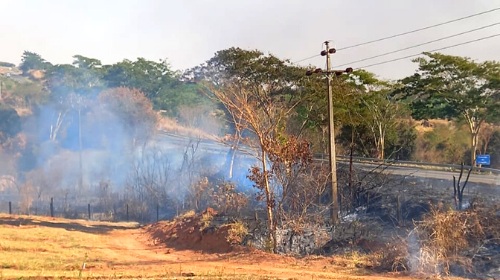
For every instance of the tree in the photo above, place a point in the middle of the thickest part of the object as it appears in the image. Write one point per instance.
(454, 87)
(6, 64)
(10, 122)
(133, 109)
(263, 116)
(31, 93)
(486, 134)
(86, 62)
(148, 76)
(380, 115)
(32, 61)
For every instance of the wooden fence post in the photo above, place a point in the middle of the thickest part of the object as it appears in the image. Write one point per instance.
(90, 217)
(52, 207)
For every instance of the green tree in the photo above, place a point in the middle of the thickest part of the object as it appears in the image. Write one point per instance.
(32, 61)
(6, 64)
(10, 122)
(148, 76)
(31, 93)
(86, 62)
(452, 87)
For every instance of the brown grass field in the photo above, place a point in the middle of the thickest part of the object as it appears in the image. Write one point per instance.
(47, 248)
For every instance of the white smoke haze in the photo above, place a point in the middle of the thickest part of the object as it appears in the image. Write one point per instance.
(128, 156)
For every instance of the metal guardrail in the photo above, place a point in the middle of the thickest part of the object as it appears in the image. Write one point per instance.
(402, 163)
(414, 163)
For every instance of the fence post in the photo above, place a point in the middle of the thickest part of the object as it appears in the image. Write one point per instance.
(10, 208)
(90, 218)
(127, 213)
(399, 211)
(52, 207)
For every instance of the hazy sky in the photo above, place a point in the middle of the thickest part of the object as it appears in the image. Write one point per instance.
(189, 32)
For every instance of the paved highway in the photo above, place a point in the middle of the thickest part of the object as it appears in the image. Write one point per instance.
(490, 179)
(171, 141)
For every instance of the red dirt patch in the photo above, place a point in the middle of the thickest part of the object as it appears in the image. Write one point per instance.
(193, 232)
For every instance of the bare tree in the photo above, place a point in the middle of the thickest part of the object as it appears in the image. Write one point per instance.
(380, 117)
(255, 111)
(458, 190)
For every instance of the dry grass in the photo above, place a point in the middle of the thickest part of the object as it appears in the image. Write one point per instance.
(167, 124)
(237, 231)
(443, 239)
(46, 247)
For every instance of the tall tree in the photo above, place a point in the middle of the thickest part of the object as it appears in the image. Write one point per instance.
(455, 87)
(32, 61)
(133, 109)
(148, 76)
(262, 116)
(81, 61)
(10, 122)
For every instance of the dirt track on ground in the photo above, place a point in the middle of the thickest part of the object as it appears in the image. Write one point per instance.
(118, 250)
(131, 249)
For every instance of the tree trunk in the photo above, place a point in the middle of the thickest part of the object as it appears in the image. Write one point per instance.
(473, 149)
(351, 170)
(269, 204)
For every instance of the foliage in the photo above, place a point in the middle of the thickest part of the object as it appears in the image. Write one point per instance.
(33, 61)
(6, 64)
(443, 142)
(455, 87)
(237, 231)
(86, 62)
(31, 94)
(147, 76)
(10, 123)
(132, 108)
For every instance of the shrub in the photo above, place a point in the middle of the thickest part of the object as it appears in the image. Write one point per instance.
(237, 231)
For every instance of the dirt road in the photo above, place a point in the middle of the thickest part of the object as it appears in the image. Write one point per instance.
(48, 248)
(131, 249)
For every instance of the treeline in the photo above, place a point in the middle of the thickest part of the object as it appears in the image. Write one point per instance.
(374, 117)
(94, 124)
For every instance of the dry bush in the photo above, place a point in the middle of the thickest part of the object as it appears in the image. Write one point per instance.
(206, 219)
(446, 237)
(443, 243)
(218, 194)
(26, 191)
(393, 257)
(236, 233)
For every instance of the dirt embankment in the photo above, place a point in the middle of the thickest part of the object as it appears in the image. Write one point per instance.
(197, 233)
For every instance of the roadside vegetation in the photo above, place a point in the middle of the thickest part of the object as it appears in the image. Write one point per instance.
(93, 135)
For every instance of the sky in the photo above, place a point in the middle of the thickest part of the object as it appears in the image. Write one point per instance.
(189, 32)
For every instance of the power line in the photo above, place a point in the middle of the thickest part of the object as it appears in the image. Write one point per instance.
(405, 33)
(419, 29)
(435, 50)
(419, 45)
(307, 58)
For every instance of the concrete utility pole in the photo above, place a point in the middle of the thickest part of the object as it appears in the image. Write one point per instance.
(334, 210)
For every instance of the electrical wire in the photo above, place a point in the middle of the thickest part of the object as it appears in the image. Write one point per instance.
(435, 50)
(419, 29)
(405, 33)
(307, 58)
(419, 45)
